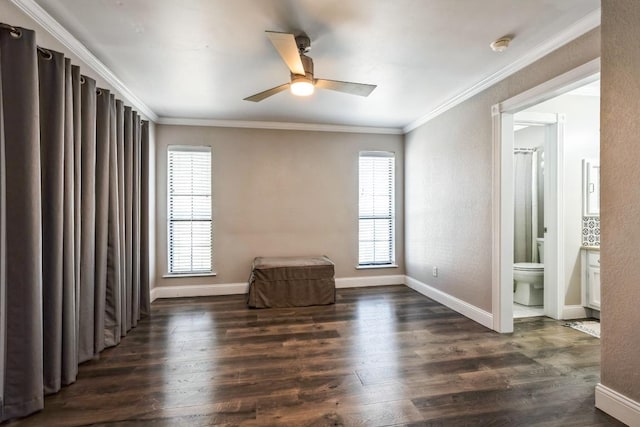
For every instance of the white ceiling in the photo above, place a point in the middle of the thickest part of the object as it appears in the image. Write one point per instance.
(199, 58)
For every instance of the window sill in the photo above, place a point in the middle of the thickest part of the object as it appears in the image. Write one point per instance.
(179, 275)
(367, 267)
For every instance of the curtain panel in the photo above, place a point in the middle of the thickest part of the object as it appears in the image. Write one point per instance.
(73, 221)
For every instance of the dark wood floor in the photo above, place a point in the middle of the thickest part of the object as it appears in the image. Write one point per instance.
(379, 356)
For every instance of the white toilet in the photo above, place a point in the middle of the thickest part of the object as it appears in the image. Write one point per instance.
(529, 280)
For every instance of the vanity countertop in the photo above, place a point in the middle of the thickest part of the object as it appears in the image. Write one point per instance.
(591, 248)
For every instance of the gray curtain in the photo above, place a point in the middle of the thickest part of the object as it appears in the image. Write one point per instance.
(51, 69)
(103, 129)
(128, 214)
(145, 298)
(120, 132)
(523, 207)
(135, 224)
(87, 217)
(22, 238)
(113, 308)
(71, 238)
(76, 131)
(58, 252)
(73, 184)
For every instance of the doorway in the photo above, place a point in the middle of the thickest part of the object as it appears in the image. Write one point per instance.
(538, 226)
(504, 118)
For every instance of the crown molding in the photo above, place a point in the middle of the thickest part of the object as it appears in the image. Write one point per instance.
(278, 125)
(580, 27)
(53, 27)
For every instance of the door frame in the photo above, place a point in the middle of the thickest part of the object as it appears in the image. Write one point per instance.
(502, 193)
(554, 273)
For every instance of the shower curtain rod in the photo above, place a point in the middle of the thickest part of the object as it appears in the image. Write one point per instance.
(525, 150)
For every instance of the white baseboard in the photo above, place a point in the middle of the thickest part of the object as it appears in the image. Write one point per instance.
(198, 290)
(466, 309)
(471, 311)
(574, 312)
(243, 288)
(618, 405)
(359, 282)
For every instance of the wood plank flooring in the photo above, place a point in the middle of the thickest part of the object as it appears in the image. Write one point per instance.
(383, 356)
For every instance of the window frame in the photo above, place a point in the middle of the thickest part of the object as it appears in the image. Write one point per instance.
(391, 261)
(191, 273)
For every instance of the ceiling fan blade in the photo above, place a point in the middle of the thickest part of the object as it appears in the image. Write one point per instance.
(359, 89)
(286, 46)
(267, 93)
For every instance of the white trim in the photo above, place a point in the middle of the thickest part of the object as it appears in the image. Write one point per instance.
(570, 312)
(502, 216)
(181, 275)
(53, 27)
(471, 311)
(249, 124)
(532, 118)
(359, 282)
(178, 291)
(587, 23)
(502, 223)
(554, 204)
(198, 290)
(618, 405)
(572, 79)
(375, 266)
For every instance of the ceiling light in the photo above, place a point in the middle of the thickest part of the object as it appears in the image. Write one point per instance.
(501, 44)
(301, 86)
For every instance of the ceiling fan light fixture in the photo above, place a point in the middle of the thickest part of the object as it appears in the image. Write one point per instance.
(301, 86)
(302, 83)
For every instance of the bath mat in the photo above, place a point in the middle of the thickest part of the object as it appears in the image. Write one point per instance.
(590, 327)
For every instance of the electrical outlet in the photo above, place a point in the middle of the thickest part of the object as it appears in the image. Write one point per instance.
(435, 272)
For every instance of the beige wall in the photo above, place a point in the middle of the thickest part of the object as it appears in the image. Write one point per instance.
(581, 140)
(279, 193)
(448, 182)
(620, 197)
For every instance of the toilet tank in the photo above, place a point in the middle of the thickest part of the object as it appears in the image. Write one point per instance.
(540, 242)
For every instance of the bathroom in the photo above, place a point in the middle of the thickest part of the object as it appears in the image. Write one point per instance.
(528, 242)
(556, 174)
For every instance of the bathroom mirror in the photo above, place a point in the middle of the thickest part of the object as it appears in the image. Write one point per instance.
(590, 187)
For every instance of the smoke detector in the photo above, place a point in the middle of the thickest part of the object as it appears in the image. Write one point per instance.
(501, 44)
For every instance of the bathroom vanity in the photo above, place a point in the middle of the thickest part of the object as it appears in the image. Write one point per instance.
(590, 252)
(591, 277)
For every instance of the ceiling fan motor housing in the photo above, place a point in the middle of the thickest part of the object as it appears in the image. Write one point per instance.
(304, 44)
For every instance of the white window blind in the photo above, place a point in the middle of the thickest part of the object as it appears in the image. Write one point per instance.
(376, 208)
(189, 210)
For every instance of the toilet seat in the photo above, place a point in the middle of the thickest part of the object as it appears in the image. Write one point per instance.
(528, 266)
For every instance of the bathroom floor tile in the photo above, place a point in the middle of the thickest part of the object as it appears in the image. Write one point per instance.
(520, 311)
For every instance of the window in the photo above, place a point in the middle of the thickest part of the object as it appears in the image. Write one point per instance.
(376, 208)
(189, 210)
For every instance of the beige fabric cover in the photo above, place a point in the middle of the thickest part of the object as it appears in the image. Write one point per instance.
(291, 282)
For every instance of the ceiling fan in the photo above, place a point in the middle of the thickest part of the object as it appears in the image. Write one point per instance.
(292, 49)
